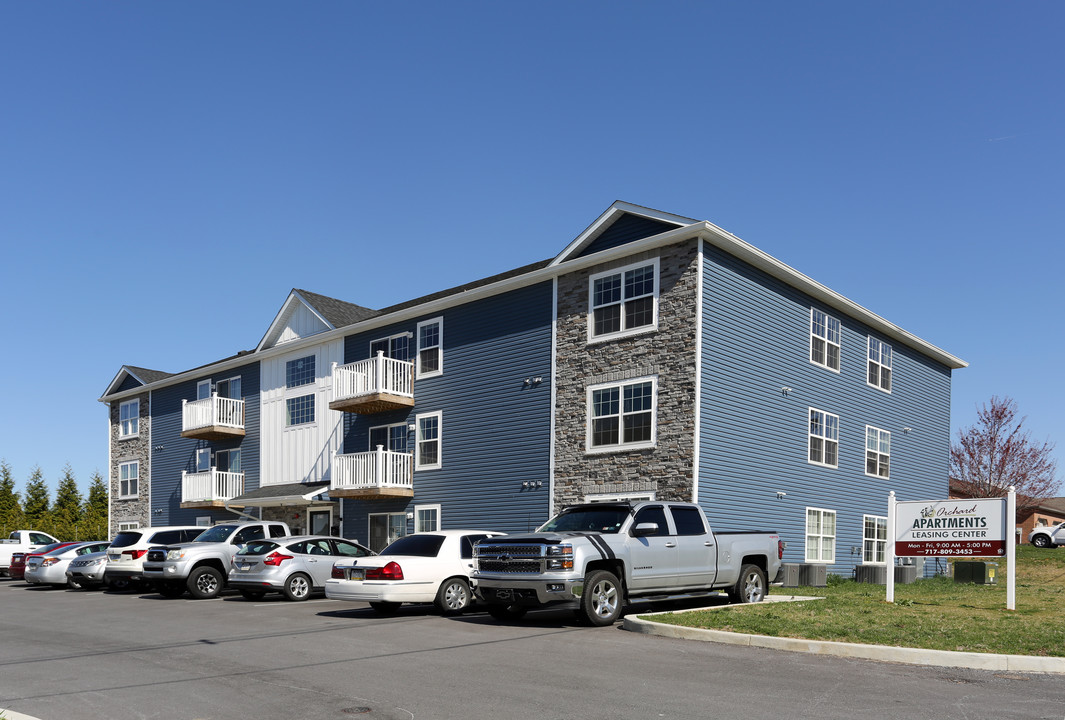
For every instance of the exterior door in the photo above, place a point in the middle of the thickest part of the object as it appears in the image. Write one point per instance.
(696, 548)
(386, 528)
(319, 522)
(654, 557)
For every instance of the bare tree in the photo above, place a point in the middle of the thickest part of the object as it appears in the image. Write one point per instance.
(997, 452)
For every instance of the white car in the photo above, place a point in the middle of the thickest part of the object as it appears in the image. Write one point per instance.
(51, 568)
(125, 557)
(1048, 536)
(424, 567)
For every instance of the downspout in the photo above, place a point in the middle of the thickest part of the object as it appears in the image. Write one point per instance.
(243, 514)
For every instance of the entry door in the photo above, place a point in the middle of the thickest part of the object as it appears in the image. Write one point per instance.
(320, 522)
(654, 557)
(386, 529)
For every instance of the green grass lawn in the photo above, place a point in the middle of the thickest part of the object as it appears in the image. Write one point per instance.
(936, 613)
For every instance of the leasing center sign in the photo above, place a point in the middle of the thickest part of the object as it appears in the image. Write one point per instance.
(951, 528)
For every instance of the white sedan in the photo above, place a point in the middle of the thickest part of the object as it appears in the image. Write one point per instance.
(424, 567)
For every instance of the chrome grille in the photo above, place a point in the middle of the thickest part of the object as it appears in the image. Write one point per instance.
(516, 559)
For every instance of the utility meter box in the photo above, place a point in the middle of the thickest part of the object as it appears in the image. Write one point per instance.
(978, 572)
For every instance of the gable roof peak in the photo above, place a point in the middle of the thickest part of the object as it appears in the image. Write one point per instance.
(617, 210)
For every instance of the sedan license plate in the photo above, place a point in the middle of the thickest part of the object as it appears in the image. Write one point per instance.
(244, 566)
(357, 574)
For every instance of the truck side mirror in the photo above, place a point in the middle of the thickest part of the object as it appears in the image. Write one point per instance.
(645, 529)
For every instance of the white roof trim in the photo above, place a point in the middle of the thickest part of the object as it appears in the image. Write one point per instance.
(607, 219)
(124, 370)
(282, 316)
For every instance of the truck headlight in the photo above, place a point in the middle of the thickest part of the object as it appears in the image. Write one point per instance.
(174, 554)
(559, 557)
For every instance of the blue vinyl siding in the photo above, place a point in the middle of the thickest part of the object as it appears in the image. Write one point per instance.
(173, 454)
(753, 440)
(129, 383)
(495, 429)
(626, 229)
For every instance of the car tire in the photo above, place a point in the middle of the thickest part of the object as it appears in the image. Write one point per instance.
(750, 587)
(453, 597)
(253, 594)
(205, 583)
(601, 599)
(171, 589)
(119, 584)
(297, 587)
(1041, 541)
(385, 608)
(507, 613)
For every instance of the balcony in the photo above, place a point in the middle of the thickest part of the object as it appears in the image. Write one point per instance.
(210, 489)
(372, 386)
(213, 418)
(379, 473)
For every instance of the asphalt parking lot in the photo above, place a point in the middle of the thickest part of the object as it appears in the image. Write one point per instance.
(68, 655)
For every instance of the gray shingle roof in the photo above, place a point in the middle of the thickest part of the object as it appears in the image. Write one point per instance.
(337, 312)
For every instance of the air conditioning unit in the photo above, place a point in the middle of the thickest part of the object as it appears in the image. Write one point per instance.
(905, 574)
(789, 574)
(873, 574)
(813, 575)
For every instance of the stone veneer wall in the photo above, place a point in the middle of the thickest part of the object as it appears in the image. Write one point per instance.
(139, 509)
(669, 353)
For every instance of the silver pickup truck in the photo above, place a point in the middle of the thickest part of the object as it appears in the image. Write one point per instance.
(599, 557)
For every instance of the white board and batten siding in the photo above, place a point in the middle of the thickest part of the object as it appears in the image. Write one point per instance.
(303, 453)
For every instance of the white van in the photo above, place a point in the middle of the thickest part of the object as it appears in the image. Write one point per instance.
(125, 557)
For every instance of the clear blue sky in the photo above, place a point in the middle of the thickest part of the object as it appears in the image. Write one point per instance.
(169, 171)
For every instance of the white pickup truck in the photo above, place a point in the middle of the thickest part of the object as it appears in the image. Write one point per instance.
(597, 558)
(21, 541)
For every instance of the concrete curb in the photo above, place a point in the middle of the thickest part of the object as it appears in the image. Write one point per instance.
(12, 715)
(881, 653)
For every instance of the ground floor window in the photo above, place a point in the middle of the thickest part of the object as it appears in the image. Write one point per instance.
(874, 539)
(123, 526)
(820, 535)
(386, 528)
(426, 518)
(620, 497)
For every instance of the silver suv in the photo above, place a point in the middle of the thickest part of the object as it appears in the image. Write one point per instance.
(125, 557)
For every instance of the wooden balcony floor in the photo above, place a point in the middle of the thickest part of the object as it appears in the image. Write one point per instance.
(372, 403)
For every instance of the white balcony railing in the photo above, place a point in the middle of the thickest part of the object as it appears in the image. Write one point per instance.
(378, 468)
(213, 485)
(376, 375)
(212, 412)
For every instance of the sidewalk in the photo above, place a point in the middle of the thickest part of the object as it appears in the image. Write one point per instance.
(881, 653)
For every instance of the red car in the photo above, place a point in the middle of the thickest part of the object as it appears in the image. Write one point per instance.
(17, 571)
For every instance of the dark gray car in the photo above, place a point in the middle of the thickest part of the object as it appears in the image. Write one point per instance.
(295, 566)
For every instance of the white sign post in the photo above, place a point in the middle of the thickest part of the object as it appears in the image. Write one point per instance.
(981, 527)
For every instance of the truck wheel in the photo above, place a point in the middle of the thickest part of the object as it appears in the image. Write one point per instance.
(601, 600)
(453, 596)
(1041, 541)
(385, 608)
(171, 589)
(750, 588)
(205, 583)
(507, 613)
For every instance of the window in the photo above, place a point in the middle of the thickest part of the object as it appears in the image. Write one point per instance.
(300, 410)
(430, 348)
(122, 526)
(820, 535)
(467, 542)
(389, 437)
(203, 460)
(622, 416)
(203, 389)
(824, 340)
(348, 549)
(246, 535)
(299, 372)
(396, 347)
(228, 388)
(877, 452)
(428, 455)
(426, 518)
(879, 365)
(227, 461)
(128, 416)
(128, 475)
(689, 520)
(653, 514)
(824, 438)
(623, 301)
(874, 539)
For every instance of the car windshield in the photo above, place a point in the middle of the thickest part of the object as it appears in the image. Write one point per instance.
(125, 539)
(219, 533)
(417, 545)
(607, 519)
(258, 547)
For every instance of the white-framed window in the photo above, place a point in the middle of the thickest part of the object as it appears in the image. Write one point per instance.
(622, 415)
(426, 518)
(396, 347)
(429, 436)
(203, 389)
(203, 459)
(129, 418)
(385, 529)
(228, 388)
(300, 372)
(227, 460)
(128, 477)
(623, 301)
(299, 410)
(131, 525)
(431, 347)
(619, 497)
(824, 340)
(390, 437)
(879, 365)
(874, 540)
(820, 535)
(203, 521)
(824, 438)
(877, 452)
